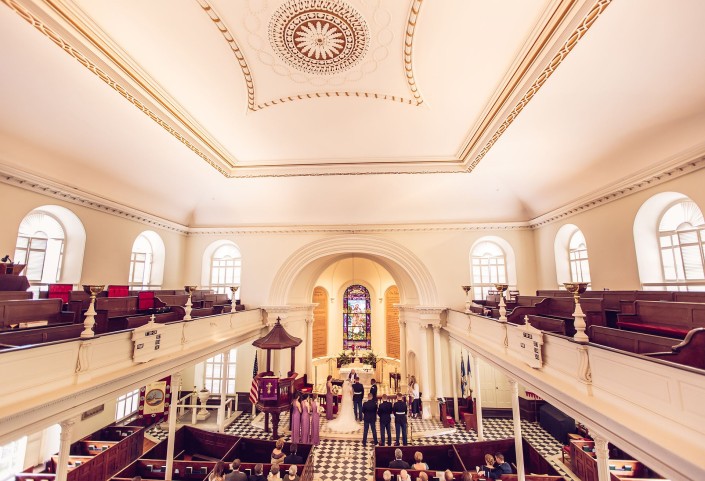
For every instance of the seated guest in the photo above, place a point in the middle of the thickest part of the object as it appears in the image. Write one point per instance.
(292, 476)
(398, 463)
(236, 474)
(136, 478)
(448, 475)
(419, 465)
(387, 475)
(293, 458)
(218, 473)
(278, 453)
(422, 477)
(257, 474)
(274, 473)
(488, 470)
(404, 476)
(466, 476)
(501, 465)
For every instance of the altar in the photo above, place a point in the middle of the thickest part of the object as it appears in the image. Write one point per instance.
(364, 371)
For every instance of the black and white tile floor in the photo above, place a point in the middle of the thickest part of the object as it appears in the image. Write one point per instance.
(348, 460)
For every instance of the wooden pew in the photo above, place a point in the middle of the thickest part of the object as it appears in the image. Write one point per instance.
(690, 352)
(168, 300)
(630, 341)
(176, 314)
(689, 296)
(15, 312)
(672, 319)
(210, 300)
(15, 295)
(113, 310)
(584, 464)
(79, 302)
(39, 335)
(551, 324)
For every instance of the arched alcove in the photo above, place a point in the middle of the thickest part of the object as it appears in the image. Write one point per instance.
(156, 276)
(297, 276)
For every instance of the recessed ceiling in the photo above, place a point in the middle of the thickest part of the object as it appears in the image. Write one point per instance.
(219, 113)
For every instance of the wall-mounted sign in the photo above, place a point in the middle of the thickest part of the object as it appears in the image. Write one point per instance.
(92, 412)
(147, 341)
(526, 342)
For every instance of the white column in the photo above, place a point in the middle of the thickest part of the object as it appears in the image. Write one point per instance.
(402, 349)
(175, 387)
(62, 465)
(223, 392)
(309, 349)
(478, 397)
(452, 353)
(425, 373)
(437, 360)
(517, 430)
(602, 454)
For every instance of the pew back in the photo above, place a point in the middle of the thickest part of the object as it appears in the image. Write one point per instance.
(18, 311)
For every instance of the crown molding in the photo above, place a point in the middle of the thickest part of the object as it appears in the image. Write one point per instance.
(24, 180)
(679, 165)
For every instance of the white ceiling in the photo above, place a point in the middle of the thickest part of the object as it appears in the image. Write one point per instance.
(626, 99)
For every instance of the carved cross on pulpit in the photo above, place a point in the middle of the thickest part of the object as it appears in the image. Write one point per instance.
(269, 387)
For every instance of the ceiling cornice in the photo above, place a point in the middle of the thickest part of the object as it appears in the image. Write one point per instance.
(25, 180)
(679, 165)
(562, 26)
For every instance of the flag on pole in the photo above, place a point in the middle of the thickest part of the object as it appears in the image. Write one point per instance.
(254, 394)
(463, 379)
(469, 374)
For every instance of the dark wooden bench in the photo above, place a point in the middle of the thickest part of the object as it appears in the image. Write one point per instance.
(630, 341)
(15, 295)
(39, 335)
(210, 300)
(174, 315)
(113, 310)
(690, 352)
(168, 300)
(672, 319)
(14, 312)
(551, 324)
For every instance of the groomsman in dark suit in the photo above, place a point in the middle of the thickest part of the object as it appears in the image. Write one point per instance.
(373, 389)
(400, 411)
(384, 411)
(369, 411)
(358, 394)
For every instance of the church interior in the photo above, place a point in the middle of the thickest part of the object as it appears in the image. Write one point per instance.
(214, 210)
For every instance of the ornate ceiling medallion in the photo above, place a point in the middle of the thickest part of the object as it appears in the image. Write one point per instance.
(321, 37)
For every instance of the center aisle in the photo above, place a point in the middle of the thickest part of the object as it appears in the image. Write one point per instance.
(348, 460)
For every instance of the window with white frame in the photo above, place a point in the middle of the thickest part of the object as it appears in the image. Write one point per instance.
(578, 258)
(141, 262)
(12, 458)
(217, 373)
(489, 267)
(682, 241)
(127, 404)
(226, 264)
(40, 245)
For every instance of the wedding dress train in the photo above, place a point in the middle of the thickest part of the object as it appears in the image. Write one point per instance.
(345, 422)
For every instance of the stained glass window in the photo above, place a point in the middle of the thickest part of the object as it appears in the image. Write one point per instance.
(356, 318)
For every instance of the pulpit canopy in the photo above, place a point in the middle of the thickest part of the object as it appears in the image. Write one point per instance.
(277, 338)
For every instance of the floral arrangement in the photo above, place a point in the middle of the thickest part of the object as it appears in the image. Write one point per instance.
(344, 358)
(369, 358)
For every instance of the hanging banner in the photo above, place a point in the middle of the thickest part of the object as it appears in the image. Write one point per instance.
(154, 398)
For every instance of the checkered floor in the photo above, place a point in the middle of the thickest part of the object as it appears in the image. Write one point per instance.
(348, 460)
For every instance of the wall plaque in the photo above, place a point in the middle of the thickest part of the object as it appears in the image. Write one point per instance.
(525, 341)
(147, 341)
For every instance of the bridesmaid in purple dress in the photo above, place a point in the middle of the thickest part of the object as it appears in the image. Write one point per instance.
(305, 421)
(315, 420)
(329, 398)
(296, 419)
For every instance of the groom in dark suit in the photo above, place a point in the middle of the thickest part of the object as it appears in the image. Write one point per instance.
(369, 411)
(358, 394)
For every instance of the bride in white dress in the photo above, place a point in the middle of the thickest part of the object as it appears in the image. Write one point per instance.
(345, 422)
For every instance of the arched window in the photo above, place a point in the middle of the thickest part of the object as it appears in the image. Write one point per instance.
(489, 267)
(226, 264)
(40, 245)
(356, 318)
(141, 262)
(578, 257)
(147, 261)
(681, 234)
